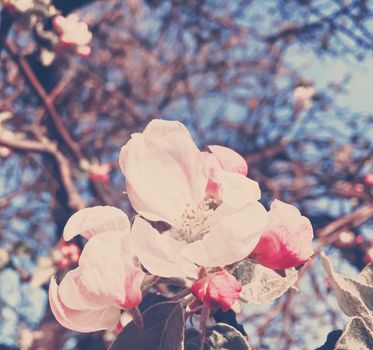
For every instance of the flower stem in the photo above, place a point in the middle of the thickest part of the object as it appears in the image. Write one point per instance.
(205, 313)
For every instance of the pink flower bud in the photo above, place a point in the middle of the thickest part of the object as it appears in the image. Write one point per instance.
(359, 188)
(368, 258)
(287, 240)
(69, 254)
(368, 178)
(217, 289)
(100, 172)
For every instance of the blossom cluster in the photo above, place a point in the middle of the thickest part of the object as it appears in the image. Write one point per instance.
(211, 218)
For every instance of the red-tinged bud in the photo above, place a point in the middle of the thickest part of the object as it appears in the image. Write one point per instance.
(360, 240)
(219, 289)
(100, 172)
(368, 179)
(287, 239)
(368, 258)
(359, 188)
(118, 328)
(70, 254)
(63, 263)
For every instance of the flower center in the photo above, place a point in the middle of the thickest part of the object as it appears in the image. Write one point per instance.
(195, 221)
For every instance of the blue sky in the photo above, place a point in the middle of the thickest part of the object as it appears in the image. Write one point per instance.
(323, 70)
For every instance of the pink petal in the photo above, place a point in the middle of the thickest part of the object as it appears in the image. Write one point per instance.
(287, 240)
(229, 159)
(95, 220)
(238, 190)
(71, 295)
(232, 237)
(108, 274)
(81, 320)
(164, 171)
(158, 253)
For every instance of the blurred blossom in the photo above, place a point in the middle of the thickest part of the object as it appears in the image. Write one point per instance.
(19, 5)
(345, 239)
(4, 257)
(43, 272)
(303, 96)
(368, 258)
(99, 172)
(359, 188)
(5, 151)
(25, 339)
(368, 178)
(73, 32)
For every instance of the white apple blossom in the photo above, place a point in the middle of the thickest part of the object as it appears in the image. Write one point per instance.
(167, 180)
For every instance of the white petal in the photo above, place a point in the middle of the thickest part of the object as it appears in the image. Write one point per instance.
(164, 171)
(81, 320)
(157, 252)
(95, 220)
(107, 269)
(71, 295)
(231, 238)
(238, 190)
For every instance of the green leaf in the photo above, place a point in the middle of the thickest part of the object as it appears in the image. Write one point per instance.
(163, 330)
(224, 337)
(366, 276)
(356, 336)
(355, 297)
(261, 284)
(218, 337)
(192, 339)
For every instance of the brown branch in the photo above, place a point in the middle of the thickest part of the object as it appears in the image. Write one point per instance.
(75, 201)
(46, 100)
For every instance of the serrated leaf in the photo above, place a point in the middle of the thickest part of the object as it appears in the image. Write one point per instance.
(354, 297)
(224, 337)
(163, 330)
(356, 336)
(218, 337)
(261, 284)
(366, 275)
(331, 340)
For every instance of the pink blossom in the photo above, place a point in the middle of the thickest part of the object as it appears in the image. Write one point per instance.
(217, 289)
(166, 180)
(287, 240)
(90, 297)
